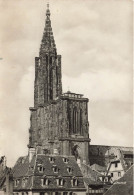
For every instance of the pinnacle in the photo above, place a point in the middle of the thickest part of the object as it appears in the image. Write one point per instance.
(47, 43)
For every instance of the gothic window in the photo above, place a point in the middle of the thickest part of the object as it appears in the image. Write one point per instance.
(77, 120)
(46, 60)
(51, 83)
(81, 129)
(50, 61)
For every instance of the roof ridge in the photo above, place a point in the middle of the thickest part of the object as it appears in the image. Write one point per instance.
(111, 146)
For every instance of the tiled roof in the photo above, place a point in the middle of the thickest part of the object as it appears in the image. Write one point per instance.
(98, 168)
(124, 186)
(59, 163)
(30, 174)
(91, 177)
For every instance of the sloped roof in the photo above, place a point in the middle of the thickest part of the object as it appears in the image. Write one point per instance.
(124, 186)
(29, 171)
(59, 163)
(98, 168)
(91, 177)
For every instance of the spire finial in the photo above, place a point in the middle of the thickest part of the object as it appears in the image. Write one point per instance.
(48, 4)
(47, 11)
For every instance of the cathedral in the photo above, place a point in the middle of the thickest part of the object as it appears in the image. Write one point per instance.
(59, 121)
(61, 160)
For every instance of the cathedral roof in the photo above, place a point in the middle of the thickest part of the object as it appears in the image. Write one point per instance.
(30, 175)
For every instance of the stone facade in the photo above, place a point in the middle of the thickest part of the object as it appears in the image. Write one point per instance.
(59, 121)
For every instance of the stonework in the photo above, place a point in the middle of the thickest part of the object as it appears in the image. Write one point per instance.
(59, 121)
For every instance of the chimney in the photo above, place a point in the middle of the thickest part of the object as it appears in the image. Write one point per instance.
(79, 162)
(55, 151)
(31, 153)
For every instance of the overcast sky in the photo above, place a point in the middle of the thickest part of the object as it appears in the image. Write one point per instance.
(94, 38)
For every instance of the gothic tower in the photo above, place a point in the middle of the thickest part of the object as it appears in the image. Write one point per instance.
(47, 84)
(59, 121)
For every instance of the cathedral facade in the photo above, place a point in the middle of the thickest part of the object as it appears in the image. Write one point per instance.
(59, 121)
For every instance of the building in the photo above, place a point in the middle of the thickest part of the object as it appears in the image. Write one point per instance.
(48, 175)
(123, 186)
(122, 160)
(59, 130)
(6, 178)
(59, 121)
(102, 155)
(58, 135)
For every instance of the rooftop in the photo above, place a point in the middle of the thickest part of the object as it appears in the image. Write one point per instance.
(48, 167)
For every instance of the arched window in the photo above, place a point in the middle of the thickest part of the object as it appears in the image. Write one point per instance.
(51, 83)
(46, 60)
(75, 120)
(81, 129)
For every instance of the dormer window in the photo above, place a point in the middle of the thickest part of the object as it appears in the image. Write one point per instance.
(51, 159)
(74, 182)
(55, 169)
(69, 169)
(16, 182)
(60, 182)
(65, 160)
(45, 182)
(40, 168)
(24, 182)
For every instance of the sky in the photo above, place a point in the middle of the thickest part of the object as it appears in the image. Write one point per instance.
(94, 38)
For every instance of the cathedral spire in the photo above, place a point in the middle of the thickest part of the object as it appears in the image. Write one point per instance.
(48, 43)
(48, 84)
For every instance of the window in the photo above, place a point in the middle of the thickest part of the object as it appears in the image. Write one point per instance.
(76, 120)
(74, 182)
(69, 169)
(40, 168)
(51, 159)
(24, 182)
(45, 182)
(111, 174)
(16, 182)
(116, 164)
(65, 160)
(119, 174)
(55, 169)
(60, 182)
